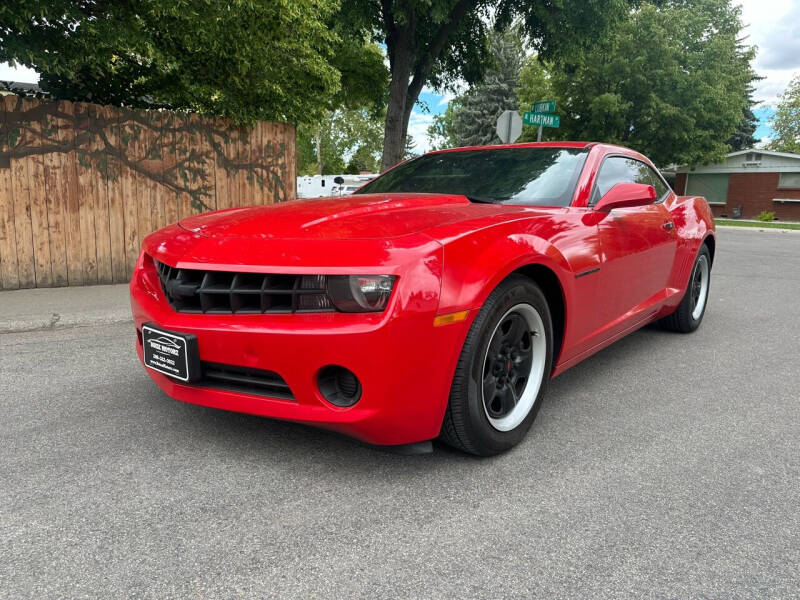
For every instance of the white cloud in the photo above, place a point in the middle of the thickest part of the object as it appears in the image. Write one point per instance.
(19, 74)
(774, 27)
(418, 129)
(774, 84)
(451, 91)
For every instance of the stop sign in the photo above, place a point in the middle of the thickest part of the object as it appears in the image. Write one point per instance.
(509, 126)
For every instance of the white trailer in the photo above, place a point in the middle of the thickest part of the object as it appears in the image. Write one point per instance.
(317, 186)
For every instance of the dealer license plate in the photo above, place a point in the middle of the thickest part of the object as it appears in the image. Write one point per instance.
(171, 353)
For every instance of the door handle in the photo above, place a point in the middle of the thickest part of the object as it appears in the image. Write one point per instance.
(669, 225)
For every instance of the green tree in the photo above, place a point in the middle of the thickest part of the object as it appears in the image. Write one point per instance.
(534, 82)
(348, 140)
(365, 159)
(743, 138)
(671, 81)
(534, 86)
(436, 42)
(441, 133)
(785, 122)
(241, 59)
(351, 124)
(475, 121)
(364, 76)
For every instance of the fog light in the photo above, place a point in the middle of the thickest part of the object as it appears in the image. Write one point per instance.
(339, 386)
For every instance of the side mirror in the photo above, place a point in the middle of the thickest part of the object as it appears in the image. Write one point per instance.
(625, 195)
(338, 180)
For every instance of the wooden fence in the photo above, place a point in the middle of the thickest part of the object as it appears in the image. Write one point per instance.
(82, 184)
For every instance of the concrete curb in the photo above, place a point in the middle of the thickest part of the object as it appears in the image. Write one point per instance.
(41, 309)
(57, 321)
(762, 229)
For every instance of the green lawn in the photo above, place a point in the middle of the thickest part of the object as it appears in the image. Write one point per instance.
(758, 224)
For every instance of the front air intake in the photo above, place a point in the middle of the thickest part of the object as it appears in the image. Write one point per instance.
(226, 292)
(244, 380)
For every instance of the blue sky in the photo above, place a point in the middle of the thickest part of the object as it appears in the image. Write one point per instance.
(763, 114)
(430, 104)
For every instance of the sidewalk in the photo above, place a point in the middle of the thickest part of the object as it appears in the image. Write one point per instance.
(757, 229)
(50, 308)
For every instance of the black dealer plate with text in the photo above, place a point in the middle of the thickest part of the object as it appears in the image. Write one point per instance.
(171, 353)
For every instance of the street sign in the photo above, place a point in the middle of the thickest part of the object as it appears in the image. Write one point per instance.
(509, 126)
(548, 106)
(532, 118)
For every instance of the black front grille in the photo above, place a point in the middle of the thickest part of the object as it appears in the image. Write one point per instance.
(244, 380)
(221, 292)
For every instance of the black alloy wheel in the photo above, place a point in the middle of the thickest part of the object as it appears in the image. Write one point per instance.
(502, 372)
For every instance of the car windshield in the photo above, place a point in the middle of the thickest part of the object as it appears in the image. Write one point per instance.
(528, 176)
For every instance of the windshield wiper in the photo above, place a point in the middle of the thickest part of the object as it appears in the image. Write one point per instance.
(483, 199)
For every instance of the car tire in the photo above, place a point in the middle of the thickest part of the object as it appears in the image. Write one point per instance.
(689, 314)
(502, 372)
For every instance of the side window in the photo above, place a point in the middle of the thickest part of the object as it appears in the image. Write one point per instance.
(644, 174)
(658, 183)
(617, 169)
(614, 170)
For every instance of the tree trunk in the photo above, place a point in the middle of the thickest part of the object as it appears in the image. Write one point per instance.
(394, 135)
(403, 90)
(402, 98)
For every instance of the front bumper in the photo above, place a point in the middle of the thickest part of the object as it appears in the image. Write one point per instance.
(404, 363)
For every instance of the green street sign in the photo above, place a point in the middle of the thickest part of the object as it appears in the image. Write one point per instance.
(548, 106)
(533, 118)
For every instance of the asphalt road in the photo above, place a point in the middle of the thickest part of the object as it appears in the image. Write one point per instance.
(665, 466)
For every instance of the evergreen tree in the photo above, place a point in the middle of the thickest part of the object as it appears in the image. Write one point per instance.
(409, 150)
(475, 120)
(742, 138)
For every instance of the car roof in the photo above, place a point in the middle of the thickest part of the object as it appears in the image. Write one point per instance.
(617, 149)
(607, 148)
(564, 144)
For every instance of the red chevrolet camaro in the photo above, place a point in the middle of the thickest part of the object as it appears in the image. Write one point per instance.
(437, 301)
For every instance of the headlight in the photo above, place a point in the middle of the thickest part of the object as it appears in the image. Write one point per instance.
(360, 293)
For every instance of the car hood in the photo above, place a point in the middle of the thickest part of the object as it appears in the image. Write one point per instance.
(362, 216)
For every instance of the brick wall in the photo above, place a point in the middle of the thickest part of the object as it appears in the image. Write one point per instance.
(754, 193)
